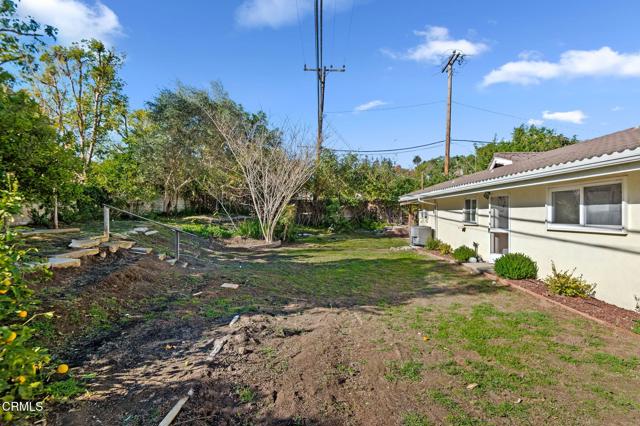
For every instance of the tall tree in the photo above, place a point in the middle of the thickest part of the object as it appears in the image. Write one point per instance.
(20, 39)
(32, 152)
(80, 89)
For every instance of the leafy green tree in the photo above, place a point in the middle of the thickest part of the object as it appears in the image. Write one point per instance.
(32, 152)
(523, 139)
(79, 88)
(20, 39)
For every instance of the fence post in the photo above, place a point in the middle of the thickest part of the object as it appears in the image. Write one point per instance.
(105, 212)
(177, 244)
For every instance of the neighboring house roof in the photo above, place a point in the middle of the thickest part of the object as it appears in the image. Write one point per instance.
(524, 163)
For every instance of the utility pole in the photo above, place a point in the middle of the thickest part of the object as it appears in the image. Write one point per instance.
(321, 73)
(455, 57)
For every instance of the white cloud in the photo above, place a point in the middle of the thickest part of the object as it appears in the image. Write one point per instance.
(576, 116)
(436, 45)
(535, 122)
(573, 63)
(278, 13)
(369, 105)
(74, 19)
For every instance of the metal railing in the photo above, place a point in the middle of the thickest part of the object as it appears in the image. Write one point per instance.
(181, 243)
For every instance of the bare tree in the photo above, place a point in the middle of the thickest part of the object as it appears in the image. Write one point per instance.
(274, 165)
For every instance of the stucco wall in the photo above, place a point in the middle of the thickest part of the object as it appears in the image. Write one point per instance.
(611, 261)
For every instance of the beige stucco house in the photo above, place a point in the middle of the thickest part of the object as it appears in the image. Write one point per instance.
(578, 206)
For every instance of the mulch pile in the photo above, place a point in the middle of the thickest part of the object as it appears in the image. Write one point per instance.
(599, 309)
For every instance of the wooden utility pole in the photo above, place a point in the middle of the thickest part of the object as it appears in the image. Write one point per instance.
(455, 57)
(321, 73)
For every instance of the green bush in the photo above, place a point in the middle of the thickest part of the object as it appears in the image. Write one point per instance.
(463, 253)
(207, 231)
(433, 244)
(444, 248)
(566, 284)
(516, 266)
(250, 228)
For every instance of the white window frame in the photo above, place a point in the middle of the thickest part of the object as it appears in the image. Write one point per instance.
(582, 226)
(465, 210)
(423, 214)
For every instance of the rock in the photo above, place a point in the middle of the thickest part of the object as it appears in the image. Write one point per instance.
(471, 386)
(141, 250)
(240, 338)
(243, 350)
(184, 264)
(77, 254)
(473, 260)
(171, 261)
(140, 230)
(103, 254)
(230, 285)
(62, 262)
(152, 232)
(82, 244)
(162, 256)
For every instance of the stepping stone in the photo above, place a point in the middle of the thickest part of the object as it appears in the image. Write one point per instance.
(140, 230)
(125, 244)
(152, 232)
(162, 256)
(77, 254)
(171, 261)
(230, 285)
(81, 244)
(61, 262)
(141, 250)
(112, 246)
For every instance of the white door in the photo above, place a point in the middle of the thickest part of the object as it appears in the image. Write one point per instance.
(498, 227)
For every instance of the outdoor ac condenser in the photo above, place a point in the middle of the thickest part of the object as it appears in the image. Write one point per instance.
(420, 235)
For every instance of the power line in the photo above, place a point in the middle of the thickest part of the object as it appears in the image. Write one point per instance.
(304, 55)
(387, 108)
(489, 110)
(408, 148)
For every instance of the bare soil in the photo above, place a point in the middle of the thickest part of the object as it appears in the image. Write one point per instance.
(327, 354)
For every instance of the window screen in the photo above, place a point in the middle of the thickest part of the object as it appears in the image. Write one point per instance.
(470, 211)
(603, 205)
(566, 206)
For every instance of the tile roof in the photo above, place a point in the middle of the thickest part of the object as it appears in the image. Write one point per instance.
(608, 144)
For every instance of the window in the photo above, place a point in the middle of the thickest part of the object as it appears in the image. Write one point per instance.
(470, 211)
(566, 207)
(598, 206)
(603, 205)
(423, 217)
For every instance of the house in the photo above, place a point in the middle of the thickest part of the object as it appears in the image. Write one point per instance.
(577, 206)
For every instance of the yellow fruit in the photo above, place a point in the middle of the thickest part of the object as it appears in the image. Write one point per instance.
(21, 379)
(6, 281)
(62, 368)
(22, 314)
(11, 337)
(3, 291)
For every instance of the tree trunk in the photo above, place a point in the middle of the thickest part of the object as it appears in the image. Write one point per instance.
(55, 211)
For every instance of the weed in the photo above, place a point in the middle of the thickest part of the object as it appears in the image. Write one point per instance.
(409, 370)
(415, 419)
(245, 394)
(636, 326)
(614, 363)
(65, 389)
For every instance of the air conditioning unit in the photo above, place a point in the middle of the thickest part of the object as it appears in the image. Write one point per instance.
(419, 235)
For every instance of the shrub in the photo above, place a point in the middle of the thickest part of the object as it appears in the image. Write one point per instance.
(463, 253)
(566, 284)
(444, 248)
(250, 228)
(22, 363)
(207, 231)
(516, 266)
(433, 244)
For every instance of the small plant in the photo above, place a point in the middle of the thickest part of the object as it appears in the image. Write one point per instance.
(415, 419)
(516, 266)
(463, 253)
(245, 394)
(410, 370)
(565, 283)
(445, 248)
(636, 326)
(250, 228)
(207, 231)
(433, 244)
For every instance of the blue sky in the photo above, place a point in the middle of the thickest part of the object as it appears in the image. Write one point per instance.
(573, 65)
